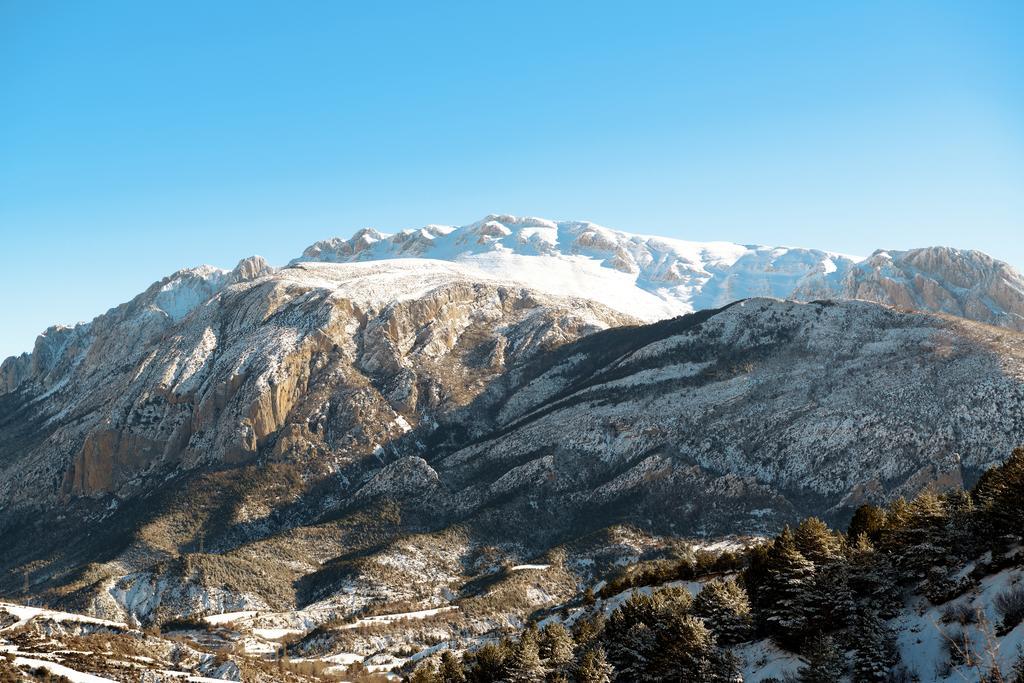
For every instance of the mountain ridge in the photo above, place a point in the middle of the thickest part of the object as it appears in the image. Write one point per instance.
(644, 276)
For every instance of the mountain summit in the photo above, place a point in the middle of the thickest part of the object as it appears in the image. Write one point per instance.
(649, 277)
(658, 277)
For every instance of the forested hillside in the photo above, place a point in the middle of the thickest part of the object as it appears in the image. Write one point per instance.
(926, 589)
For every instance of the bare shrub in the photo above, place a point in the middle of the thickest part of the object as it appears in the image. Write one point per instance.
(959, 613)
(1010, 605)
(960, 649)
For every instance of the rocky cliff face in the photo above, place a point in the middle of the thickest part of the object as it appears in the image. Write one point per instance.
(968, 284)
(321, 363)
(309, 414)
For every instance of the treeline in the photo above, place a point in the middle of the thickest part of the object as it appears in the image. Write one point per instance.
(699, 565)
(814, 591)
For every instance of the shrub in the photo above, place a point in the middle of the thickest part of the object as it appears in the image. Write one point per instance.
(1010, 605)
(940, 588)
(959, 613)
(183, 624)
(960, 648)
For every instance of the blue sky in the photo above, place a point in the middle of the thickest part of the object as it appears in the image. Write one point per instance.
(138, 138)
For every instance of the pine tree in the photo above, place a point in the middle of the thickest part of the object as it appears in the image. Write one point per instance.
(873, 579)
(919, 542)
(594, 667)
(425, 673)
(1017, 672)
(631, 649)
(825, 664)
(655, 638)
(523, 664)
(998, 494)
(487, 664)
(816, 542)
(784, 594)
(450, 670)
(962, 526)
(685, 650)
(868, 520)
(830, 603)
(585, 631)
(725, 609)
(556, 647)
(875, 654)
(628, 638)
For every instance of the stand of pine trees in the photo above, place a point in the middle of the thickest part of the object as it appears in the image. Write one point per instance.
(822, 594)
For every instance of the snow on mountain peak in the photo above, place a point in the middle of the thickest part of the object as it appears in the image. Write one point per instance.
(179, 294)
(650, 277)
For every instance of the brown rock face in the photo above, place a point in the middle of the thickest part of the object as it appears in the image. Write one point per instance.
(963, 283)
(108, 457)
(321, 364)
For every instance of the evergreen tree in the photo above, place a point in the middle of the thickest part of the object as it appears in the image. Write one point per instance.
(919, 542)
(1017, 672)
(594, 667)
(487, 664)
(655, 638)
(825, 663)
(868, 520)
(998, 494)
(685, 651)
(783, 597)
(725, 609)
(523, 664)
(586, 631)
(425, 673)
(875, 654)
(556, 647)
(816, 542)
(830, 603)
(631, 648)
(962, 529)
(873, 579)
(450, 670)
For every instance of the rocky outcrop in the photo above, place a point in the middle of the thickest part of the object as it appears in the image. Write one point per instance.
(964, 283)
(648, 277)
(320, 363)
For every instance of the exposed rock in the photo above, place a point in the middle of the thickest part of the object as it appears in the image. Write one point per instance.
(319, 362)
(964, 283)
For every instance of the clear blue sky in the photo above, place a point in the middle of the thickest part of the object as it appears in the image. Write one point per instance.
(140, 137)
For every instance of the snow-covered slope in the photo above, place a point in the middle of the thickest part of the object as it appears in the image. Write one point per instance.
(659, 277)
(650, 277)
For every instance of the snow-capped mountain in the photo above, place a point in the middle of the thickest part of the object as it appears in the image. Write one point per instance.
(658, 277)
(379, 421)
(650, 277)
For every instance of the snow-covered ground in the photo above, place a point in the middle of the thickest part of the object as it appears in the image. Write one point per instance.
(524, 567)
(924, 640)
(646, 276)
(24, 614)
(59, 670)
